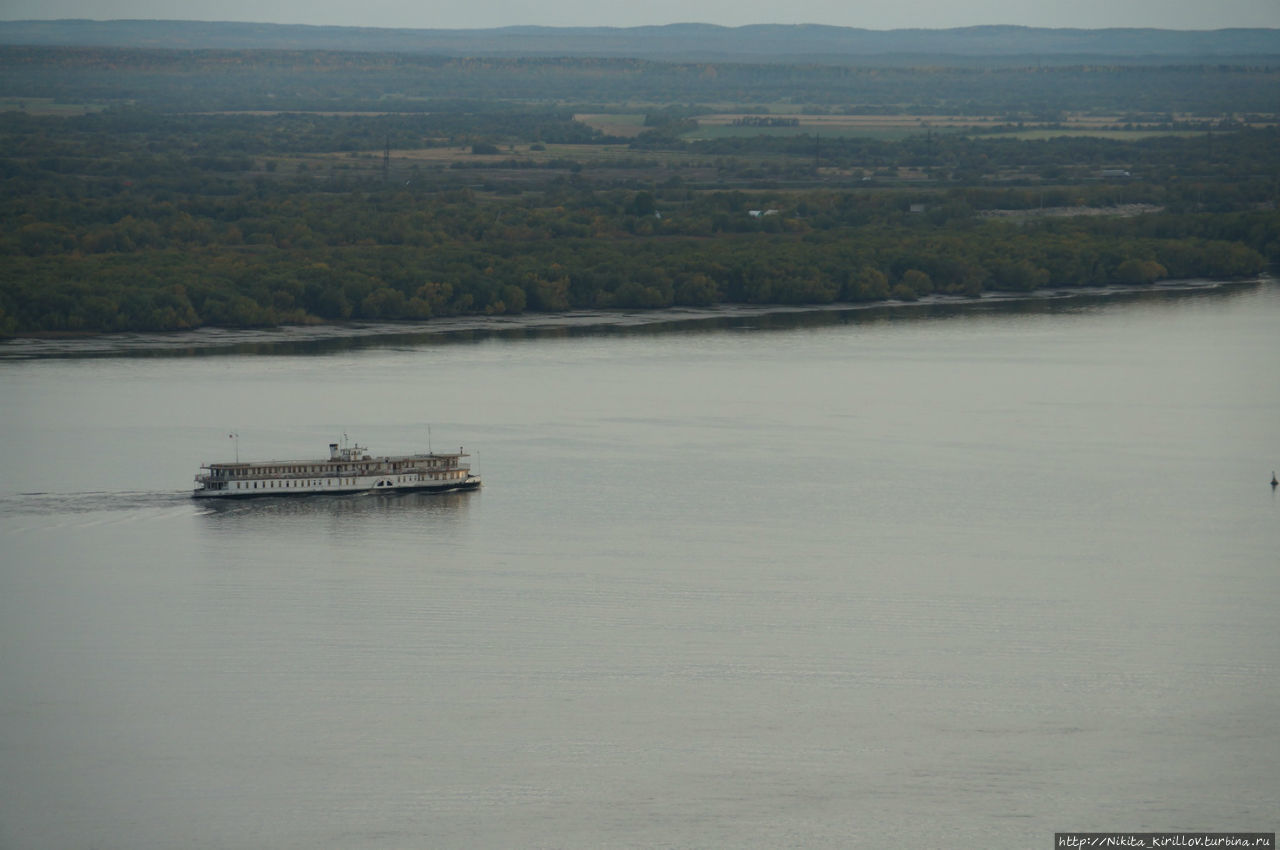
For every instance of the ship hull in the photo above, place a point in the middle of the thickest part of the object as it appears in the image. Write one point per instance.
(345, 490)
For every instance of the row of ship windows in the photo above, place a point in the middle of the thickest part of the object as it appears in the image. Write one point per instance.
(283, 470)
(326, 482)
(301, 470)
(288, 485)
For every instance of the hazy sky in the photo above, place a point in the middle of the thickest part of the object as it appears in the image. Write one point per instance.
(872, 14)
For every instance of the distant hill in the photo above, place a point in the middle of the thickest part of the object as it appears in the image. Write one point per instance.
(684, 42)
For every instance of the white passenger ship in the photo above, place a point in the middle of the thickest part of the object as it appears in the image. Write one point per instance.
(346, 470)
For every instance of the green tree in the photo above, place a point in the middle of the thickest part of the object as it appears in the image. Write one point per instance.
(868, 284)
(1134, 271)
(916, 281)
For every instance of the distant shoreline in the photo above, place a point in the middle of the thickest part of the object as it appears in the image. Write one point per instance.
(212, 340)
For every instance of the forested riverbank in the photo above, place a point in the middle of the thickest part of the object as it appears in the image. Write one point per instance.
(238, 286)
(139, 216)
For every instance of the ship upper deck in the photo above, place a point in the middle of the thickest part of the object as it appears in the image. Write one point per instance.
(340, 462)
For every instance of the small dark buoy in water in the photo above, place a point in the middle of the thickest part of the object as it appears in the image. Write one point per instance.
(1274, 482)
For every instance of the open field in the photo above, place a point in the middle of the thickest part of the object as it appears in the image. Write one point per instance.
(622, 125)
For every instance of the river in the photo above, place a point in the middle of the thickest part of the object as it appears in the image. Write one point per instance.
(927, 576)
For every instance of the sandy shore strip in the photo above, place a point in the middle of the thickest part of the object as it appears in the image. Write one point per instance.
(286, 337)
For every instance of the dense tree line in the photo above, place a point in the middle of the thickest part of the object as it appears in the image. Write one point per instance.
(240, 261)
(185, 80)
(1242, 156)
(117, 138)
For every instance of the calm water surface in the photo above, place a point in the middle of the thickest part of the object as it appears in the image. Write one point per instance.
(908, 578)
